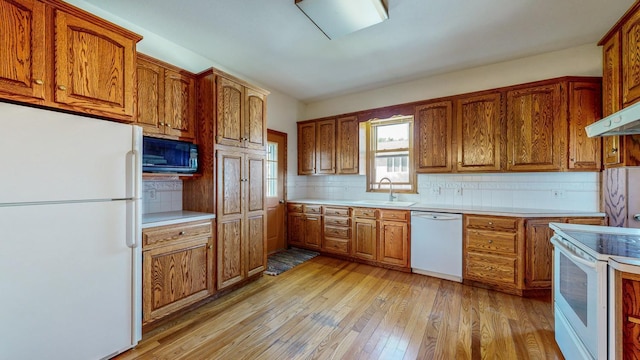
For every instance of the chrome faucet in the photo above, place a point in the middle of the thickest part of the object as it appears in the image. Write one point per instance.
(391, 196)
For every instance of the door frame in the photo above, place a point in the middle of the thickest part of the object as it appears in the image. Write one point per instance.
(284, 180)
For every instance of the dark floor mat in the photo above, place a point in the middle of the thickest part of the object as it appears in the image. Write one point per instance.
(284, 260)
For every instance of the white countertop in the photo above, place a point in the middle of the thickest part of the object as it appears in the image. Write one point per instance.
(173, 217)
(454, 209)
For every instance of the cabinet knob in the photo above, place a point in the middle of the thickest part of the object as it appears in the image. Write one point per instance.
(210, 247)
(572, 160)
(38, 81)
(490, 222)
(62, 87)
(181, 233)
(490, 241)
(614, 150)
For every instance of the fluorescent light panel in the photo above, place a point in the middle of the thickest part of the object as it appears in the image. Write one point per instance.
(340, 17)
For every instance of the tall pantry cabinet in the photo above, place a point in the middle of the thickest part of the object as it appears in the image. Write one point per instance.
(232, 130)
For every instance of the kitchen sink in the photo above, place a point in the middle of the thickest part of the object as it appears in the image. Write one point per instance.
(382, 203)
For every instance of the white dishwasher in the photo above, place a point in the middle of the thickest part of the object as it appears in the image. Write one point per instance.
(436, 244)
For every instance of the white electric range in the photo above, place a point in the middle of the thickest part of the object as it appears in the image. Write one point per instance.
(581, 290)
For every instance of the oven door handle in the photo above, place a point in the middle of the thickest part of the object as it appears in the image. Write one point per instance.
(572, 254)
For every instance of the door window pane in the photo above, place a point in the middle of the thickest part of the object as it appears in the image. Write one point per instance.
(272, 169)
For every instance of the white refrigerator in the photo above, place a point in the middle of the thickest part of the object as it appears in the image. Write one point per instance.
(70, 230)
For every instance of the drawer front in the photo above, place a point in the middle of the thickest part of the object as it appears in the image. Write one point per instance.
(294, 208)
(492, 223)
(364, 213)
(165, 234)
(336, 211)
(491, 241)
(339, 221)
(336, 246)
(400, 215)
(312, 209)
(338, 232)
(498, 270)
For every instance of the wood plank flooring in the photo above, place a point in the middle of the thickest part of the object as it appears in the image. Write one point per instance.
(332, 309)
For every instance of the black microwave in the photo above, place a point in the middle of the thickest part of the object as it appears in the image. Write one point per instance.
(169, 156)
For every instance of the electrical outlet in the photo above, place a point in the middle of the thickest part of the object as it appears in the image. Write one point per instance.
(152, 194)
(557, 194)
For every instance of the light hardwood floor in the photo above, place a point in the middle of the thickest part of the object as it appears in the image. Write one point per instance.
(333, 309)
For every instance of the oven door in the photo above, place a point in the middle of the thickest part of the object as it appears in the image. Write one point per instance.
(580, 296)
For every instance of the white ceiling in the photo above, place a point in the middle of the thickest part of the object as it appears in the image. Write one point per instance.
(273, 42)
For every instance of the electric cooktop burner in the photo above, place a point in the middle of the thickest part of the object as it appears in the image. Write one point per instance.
(608, 244)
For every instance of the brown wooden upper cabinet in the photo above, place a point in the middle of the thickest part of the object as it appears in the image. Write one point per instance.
(478, 132)
(23, 40)
(535, 132)
(584, 109)
(328, 146)
(347, 140)
(241, 118)
(93, 61)
(432, 136)
(166, 99)
(621, 85)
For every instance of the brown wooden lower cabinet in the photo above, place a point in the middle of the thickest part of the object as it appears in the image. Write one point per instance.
(177, 268)
(375, 236)
(511, 254)
(627, 315)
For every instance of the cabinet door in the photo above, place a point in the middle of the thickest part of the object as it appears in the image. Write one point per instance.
(539, 262)
(230, 262)
(313, 231)
(22, 39)
(150, 103)
(94, 67)
(478, 134)
(307, 148)
(255, 128)
(433, 133)
(584, 109)
(295, 230)
(180, 106)
(629, 295)
(230, 97)
(365, 239)
(255, 212)
(326, 147)
(256, 244)
(394, 243)
(535, 129)
(175, 276)
(611, 99)
(347, 139)
(631, 60)
(230, 179)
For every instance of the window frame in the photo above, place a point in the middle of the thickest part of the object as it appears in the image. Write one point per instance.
(370, 140)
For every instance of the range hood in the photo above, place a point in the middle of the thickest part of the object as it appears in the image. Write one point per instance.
(623, 122)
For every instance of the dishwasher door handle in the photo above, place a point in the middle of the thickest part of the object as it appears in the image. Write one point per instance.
(435, 216)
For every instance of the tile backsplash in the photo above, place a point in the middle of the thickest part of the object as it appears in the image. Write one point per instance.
(557, 191)
(161, 196)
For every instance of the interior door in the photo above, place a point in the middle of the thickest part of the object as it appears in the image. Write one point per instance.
(276, 174)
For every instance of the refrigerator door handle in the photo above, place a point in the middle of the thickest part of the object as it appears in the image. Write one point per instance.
(132, 224)
(133, 174)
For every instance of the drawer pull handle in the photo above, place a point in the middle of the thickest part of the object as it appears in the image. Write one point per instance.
(39, 81)
(490, 222)
(62, 87)
(490, 241)
(181, 233)
(634, 320)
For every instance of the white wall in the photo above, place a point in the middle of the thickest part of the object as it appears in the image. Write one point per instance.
(526, 190)
(584, 60)
(283, 111)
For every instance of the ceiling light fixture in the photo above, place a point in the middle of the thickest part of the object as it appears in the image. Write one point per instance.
(340, 17)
